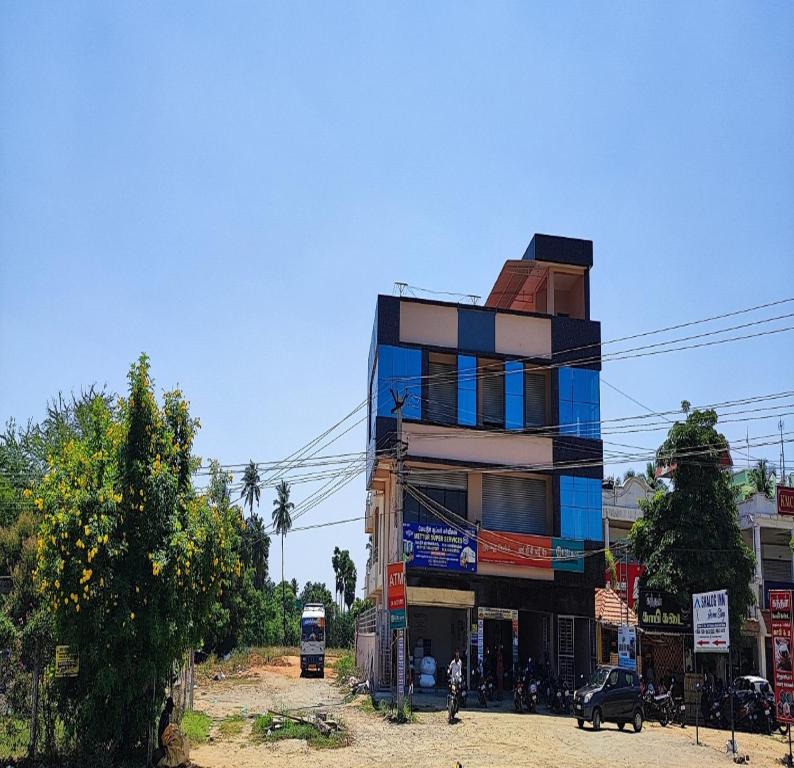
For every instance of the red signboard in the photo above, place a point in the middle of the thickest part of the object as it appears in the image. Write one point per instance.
(785, 500)
(782, 637)
(515, 549)
(635, 570)
(396, 586)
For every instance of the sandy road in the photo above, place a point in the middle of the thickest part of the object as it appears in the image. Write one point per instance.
(480, 738)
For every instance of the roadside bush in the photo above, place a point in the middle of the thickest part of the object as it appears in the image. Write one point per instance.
(130, 560)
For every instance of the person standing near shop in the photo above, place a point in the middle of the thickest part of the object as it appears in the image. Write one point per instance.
(500, 671)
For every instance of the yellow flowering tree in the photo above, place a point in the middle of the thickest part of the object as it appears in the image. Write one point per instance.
(130, 560)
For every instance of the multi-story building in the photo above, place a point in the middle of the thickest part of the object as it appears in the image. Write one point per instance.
(499, 517)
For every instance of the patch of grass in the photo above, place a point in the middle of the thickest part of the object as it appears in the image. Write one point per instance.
(263, 732)
(232, 725)
(366, 705)
(14, 737)
(345, 667)
(196, 726)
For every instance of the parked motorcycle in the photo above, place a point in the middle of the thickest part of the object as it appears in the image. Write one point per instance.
(657, 706)
(532, 696)
(519, 697)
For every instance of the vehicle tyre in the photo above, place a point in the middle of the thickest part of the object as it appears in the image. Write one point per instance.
(597, 720)
(322, 673)
(450, 710)
(637, 721)
(621, 726)
(663, 720)
(580, 722)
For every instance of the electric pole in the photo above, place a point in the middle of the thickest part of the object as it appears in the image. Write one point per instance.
(399, 402)
(782, 480)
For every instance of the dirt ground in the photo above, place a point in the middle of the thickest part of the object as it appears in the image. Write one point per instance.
(479, 738)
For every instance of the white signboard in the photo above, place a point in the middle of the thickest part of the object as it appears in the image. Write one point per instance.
(627, 647)
(710, 621)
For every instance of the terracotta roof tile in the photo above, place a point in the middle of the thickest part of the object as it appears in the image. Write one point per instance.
(610, 609)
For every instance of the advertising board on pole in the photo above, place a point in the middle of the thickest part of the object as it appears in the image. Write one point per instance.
(395, 593)
(627, 647)
(710, 621)
(780, 608)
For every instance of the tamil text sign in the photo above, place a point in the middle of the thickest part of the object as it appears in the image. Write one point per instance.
(780, 609)
(528, 551)
(661, 612)
(710, 621)
(432, 545)
(627, 647)
(395, 594)
(785, 500)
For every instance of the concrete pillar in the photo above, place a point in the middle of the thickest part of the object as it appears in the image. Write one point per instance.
(606, 533)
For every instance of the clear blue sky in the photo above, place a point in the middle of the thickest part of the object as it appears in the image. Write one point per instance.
(227, 186)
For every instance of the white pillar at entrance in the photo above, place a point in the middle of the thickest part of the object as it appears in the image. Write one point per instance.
(761, 655)
(757, 551)
(606, 533)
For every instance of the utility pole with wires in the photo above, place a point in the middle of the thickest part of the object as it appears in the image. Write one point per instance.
(782, 480)
(399, 456)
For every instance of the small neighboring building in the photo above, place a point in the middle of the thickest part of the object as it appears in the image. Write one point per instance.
(610, 613)
(768, 534)
(620, 509)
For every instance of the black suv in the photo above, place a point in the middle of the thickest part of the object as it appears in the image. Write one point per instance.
(612, 695)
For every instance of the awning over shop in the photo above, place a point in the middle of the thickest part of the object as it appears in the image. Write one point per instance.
(440, 598)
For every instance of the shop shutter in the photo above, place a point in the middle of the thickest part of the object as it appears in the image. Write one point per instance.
(492, 387)
(777, 570)
(534, 399)
(441, 391)
(513, 504)
(431, 478)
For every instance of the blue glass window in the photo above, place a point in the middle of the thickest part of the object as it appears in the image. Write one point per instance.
(467, 390)
(514, 395)
(580, 406)
(400, 369)
(580, 508)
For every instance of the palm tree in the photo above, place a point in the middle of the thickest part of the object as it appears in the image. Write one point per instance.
(650, 477)
(258, 549)
(337, 564)
(282, 522)
(759, 479)
(252, 486)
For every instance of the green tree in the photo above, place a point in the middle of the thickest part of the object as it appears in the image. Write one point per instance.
(131, 560)
(257, 549)
(689, 537)
(760, 479)
(252, 486)
(282, 523)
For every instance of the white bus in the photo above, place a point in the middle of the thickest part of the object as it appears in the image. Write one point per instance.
(313, 639)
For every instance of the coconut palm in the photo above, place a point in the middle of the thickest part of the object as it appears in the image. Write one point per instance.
(759, 479)
(252, 485)
(650, 477)
(282, 523)
(257, 549)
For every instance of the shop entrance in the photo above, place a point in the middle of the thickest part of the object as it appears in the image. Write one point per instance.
(497, 629)
(434, 635)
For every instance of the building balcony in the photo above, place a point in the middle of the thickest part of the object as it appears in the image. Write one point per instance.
(374, 579)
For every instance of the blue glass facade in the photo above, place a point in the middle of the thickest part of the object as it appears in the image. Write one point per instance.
(580, 403)
(400, 369)
(580, 508)
(467, 390)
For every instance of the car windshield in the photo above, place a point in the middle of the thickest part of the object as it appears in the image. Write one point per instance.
(599, 676)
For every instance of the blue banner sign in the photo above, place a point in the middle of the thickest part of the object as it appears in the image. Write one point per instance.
(433, 545)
